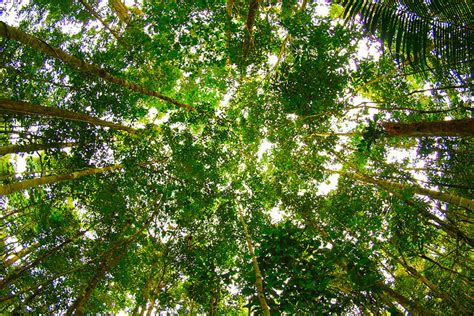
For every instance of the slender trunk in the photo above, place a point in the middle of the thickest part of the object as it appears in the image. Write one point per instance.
(37, 288)
(16, 211)
(123, 13)
(421, 278)
(20, 270)
(78, 306)
(464, 127)
(409, 305)
(15, 149)
(395, 187)
(14, 187)
(349, 134)
(96, 15)
(20, 254)
(445, 197)
(258, 274)
(249, 24)
(150, 308)
(228, 9)
(457, 274)
(10, 32)
(26, 108)
(108, 262)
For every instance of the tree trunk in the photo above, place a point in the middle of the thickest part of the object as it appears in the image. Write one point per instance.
(258, 274)
(20, 254)
(96, 15)
(120, 249)
(123, 13)
(464, 127)
(409, 305)
(151, 306)
(445, 197)
(37, 288)
(14, 187)
(20, 270)
(249, 24)
(26, 108)
(10, 32)
(16, 149)
(78, 306)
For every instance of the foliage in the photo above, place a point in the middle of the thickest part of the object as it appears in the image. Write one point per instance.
(281, 148)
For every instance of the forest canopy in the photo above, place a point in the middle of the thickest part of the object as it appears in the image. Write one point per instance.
(236, 157)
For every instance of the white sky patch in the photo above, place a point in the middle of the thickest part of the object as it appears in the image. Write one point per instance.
(367, 49)
(398, 155)
(265, 146)
(276, 215)
(322, 9)
(327, 186)
(426, 87)
(19, 163)
(9, 11)
(272, 60)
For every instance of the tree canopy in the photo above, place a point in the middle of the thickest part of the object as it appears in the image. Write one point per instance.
(236, 157)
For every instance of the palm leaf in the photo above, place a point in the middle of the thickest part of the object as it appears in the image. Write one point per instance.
(413, 27)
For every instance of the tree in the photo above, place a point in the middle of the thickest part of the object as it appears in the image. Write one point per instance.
(118, 196)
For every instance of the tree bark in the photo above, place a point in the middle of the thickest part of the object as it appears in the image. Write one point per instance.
(123, 13)
(109, 261)
(20, 270)
(96, 15)
(18, 186)
(249, 24)
(26, 108)
(395, 187)
(10, 32)
(78, 306)
(20, 254)
(258, 274)
(16, 149)
(454, 128)
(445, 197)
(150, 308)
(409, 305)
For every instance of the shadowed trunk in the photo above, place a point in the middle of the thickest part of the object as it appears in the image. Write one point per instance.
(454, 128)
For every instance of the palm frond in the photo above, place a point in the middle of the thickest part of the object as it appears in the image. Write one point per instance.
(414, 28)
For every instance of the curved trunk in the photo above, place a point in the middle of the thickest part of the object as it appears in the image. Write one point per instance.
(150, 308)
(18, 186)
(10, 32)
(26, 108)
(396, 187)
(108, 262)
(258, 274)
(453, 128)
(16, 149)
